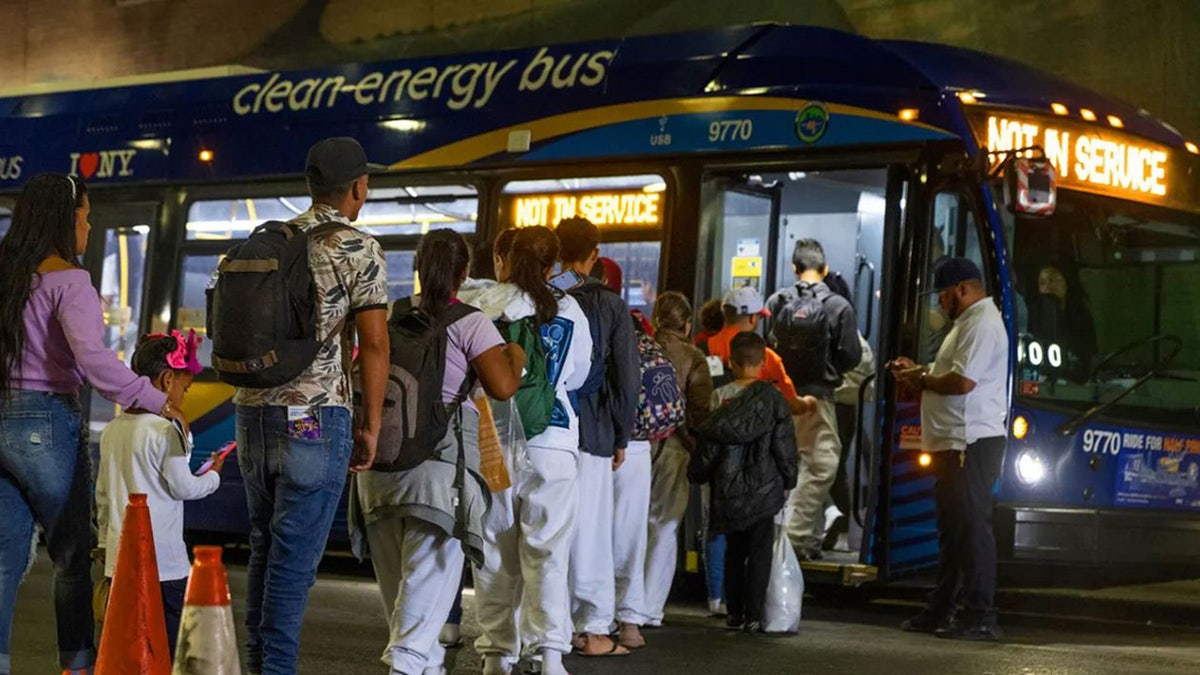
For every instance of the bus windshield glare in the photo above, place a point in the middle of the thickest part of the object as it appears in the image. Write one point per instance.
(1108, 305)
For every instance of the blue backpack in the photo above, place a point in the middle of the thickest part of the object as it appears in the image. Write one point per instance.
(660, 407)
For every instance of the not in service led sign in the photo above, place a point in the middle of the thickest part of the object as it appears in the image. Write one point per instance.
(1085, 157)
(612, 209)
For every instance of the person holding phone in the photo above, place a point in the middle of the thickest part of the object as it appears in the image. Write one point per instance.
(964, 403)
(607, 405)
(143, 453)
(528, 529)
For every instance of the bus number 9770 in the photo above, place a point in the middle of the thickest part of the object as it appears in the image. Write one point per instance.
(730, 130)
(1097, 441)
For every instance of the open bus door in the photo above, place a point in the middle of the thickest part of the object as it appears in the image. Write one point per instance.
(941, 221)
(751, 221)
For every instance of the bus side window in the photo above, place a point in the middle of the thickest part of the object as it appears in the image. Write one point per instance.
(5, 219)
(953, 233)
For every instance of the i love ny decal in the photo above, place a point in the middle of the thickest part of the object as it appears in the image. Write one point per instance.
(102, 163)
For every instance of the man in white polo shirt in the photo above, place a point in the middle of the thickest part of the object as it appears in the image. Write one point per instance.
(964, 401)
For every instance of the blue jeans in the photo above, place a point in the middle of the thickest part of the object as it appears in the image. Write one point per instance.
(292, 492)
(714, 566)
(45, 477)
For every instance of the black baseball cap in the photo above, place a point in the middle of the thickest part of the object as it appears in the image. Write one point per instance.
(337, 161)
(954, 271)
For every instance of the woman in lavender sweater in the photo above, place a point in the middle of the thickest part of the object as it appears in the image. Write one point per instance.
(51, 329)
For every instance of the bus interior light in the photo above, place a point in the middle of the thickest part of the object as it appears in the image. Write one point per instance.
(1031, 470)
(206, 155)
(1059, 109)
(1020, 427)
(1192, 148)
(1115, 122)
(908, 114)
(1087, 114)
(657, 186)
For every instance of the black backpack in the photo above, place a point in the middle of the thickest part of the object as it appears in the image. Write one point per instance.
(262, 310)
(801, 333)
(415, 419)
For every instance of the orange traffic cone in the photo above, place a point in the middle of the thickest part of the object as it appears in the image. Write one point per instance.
(207, 644)
(134, 639)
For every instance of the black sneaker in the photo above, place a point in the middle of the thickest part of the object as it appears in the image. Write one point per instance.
(752, 627)
(925, 622)
(734, 622)
(836, 530)
(980, 632)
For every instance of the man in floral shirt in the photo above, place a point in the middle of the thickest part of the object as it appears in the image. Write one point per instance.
(296, 441)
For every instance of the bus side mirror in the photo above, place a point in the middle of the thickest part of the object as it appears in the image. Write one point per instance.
(1031, 186)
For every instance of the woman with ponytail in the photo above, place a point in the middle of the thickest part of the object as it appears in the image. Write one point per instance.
(528, 531)
(51, 341)
(419, 522)
(669, 490)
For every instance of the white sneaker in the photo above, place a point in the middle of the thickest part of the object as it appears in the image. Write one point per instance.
(832, 513)
(451, 635)
(716, 607)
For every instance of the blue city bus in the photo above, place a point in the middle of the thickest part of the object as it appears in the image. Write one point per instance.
(703, 157)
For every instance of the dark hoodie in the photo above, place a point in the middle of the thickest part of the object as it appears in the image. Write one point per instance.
(746, 450)
(607, 401)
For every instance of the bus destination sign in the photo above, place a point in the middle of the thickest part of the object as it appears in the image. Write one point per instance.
(611, 209)
(1089, 157)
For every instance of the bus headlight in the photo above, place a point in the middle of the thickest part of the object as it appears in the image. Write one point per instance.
(1030, 468)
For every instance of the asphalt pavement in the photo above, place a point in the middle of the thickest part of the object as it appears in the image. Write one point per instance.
(344, 632)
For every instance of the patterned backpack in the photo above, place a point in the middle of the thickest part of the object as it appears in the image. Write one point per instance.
(660, 408)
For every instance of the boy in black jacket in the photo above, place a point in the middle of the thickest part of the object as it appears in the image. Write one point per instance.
(747, 452)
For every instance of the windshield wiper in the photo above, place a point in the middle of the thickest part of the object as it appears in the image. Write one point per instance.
(1072, 425)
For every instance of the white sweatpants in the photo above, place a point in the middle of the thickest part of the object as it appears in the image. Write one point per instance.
(631, 509)
(593, 584)
(668, 505)
(527, 545)
(820, 449)
(418, 567)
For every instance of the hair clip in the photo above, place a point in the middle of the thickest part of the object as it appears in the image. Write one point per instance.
(185, 356)
(71, 181)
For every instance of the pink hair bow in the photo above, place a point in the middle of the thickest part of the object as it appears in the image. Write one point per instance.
(185, 355)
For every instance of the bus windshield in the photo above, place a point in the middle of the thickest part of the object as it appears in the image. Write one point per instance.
(1108, 308)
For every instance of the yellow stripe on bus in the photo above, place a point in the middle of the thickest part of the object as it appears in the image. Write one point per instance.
(204, 397)
(485, 145)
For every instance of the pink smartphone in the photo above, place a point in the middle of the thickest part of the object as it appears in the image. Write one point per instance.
(222, 453)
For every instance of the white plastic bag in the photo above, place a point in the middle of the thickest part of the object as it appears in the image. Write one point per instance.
(785, 591)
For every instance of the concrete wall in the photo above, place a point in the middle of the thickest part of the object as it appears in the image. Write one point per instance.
(1144, 52)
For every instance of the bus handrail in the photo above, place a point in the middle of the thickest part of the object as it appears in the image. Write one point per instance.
(856, 488)
(864, 262)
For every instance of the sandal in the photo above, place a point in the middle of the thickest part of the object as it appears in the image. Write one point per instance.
(612, 648)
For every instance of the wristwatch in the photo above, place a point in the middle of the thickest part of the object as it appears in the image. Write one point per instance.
(921, 380)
